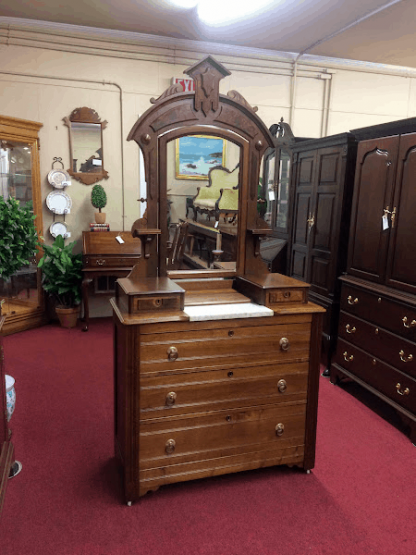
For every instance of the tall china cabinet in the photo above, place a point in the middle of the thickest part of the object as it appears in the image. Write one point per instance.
(216, 369)
(275, 204)
(20, 178)
(322, 182)
(6, 446)
(377, 329)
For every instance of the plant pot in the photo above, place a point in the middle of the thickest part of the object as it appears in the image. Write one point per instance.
(100, 217)
(67, 316)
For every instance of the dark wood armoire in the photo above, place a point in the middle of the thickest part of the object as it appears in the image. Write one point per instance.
(377, 329)
(6, 446)
(322, 183)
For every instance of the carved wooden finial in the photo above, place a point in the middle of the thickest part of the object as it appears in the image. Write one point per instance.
(207, 75)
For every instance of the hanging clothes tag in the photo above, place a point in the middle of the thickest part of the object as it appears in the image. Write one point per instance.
(385, 221)
(272, 196)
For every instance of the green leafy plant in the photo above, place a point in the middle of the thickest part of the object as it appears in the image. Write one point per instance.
(18, 236)
(62, 273)
(98, 197)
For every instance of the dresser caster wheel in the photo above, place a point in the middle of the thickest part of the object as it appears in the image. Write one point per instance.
(128, 503)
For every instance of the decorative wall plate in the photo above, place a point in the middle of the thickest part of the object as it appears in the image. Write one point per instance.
(57, 177)
(59, 228)
(59, 202)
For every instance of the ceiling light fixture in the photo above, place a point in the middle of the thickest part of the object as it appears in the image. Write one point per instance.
(223, 12)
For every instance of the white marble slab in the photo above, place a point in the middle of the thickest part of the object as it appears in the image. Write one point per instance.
(226, 311)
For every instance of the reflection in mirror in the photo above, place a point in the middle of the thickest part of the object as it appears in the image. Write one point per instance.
(203, 187)
(282, 208)
(20, 290)
(87, 148)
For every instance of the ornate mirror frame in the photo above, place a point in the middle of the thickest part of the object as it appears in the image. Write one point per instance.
(85, 115)
(176, 113)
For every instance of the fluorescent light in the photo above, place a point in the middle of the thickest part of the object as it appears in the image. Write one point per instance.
(221, 12)
(184, 3)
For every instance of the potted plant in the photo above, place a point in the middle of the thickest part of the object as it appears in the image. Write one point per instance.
(99, 200)
(61, 278)
(18, 236)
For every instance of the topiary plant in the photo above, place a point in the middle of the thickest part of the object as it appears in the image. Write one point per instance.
(98, 197)
(18, 236)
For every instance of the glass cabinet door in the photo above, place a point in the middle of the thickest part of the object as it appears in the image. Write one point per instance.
(282, 192)
(19, 178)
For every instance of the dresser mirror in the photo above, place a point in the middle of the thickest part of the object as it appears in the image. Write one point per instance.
(203, 192)
(86, 145)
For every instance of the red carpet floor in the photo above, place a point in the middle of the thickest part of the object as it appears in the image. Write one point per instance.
(360, 498)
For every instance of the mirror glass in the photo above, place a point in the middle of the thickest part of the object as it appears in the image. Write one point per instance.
(282, 208)
(20, 291)
(203, 191)
(87, 152)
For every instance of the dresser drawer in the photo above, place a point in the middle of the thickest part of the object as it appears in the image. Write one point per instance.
(224, 347)
(380, 310)
(170, 441)
(109, 261)
(219, 389)
(386, 379)
(381, 343)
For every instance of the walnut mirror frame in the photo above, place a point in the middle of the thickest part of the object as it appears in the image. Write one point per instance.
(177, 114)
(86, 121)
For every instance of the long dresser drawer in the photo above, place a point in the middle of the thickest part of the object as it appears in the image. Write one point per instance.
(224, 347)
(165, 442)
(379, 309)
(217, 389)
(391, 382)
(385, 345)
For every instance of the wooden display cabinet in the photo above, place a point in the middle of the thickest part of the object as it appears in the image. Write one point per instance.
(20, 177)
(217, 369)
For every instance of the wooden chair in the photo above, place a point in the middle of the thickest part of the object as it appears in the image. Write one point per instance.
(177, 248)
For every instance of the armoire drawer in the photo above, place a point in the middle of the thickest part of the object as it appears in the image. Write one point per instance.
(218, 389)
(380, 310)
(385, 345)
(383, 377)
(170, 441)
(224, 347)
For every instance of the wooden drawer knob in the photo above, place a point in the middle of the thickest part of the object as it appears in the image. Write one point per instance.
(279, 429)
(282, 386)
(284, 344)
(172, 353)
(170, 446)
(350, 300)
(170, 398)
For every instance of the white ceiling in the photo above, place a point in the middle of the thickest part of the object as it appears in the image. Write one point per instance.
(369, 30)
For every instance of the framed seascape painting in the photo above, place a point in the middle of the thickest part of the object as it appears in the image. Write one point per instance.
(197, 154)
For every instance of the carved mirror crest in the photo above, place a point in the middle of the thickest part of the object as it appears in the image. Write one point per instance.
(86, 145)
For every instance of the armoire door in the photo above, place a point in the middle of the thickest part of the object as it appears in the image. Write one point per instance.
(302, 214)
(324, 233)
(401, 260)
(373, 198)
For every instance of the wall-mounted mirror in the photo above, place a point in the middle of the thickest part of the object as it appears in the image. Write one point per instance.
(203, 201)
(86, 145)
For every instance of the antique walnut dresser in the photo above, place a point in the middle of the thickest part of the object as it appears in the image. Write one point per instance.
(216, 370)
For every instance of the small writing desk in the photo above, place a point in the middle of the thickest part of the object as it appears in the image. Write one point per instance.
(103, 255)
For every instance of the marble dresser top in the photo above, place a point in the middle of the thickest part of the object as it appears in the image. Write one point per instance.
(227, 311)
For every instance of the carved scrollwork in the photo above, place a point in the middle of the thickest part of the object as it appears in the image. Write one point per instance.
(173, 89)
(234, 95)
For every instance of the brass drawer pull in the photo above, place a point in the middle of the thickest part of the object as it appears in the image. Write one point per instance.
(282, 386)
(100, 262)
(279, 429)
(349, 329)
(348, 358)
(170, 446)
(172, 353)
(284, 343)
(351, 300)
(228, 418)
(403, 358)
(230, 374)
(406, 325)
(171, 398)
(400, 391)
(230, 333)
